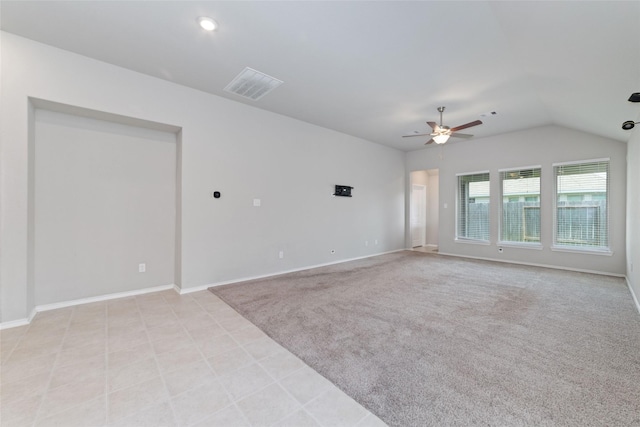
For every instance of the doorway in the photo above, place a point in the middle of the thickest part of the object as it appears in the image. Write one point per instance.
(418, 215)
(424, 210)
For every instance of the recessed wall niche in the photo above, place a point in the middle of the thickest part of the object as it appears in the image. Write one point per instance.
(105, 200)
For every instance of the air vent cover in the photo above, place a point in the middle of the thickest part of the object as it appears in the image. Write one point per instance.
(252, 84)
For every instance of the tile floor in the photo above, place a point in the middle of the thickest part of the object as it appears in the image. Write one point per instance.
(160, 359)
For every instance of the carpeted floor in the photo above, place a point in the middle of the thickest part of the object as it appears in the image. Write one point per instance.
(428, 340)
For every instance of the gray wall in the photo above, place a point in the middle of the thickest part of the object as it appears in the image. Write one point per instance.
(540, 146)
(105, 201)
(244, 152)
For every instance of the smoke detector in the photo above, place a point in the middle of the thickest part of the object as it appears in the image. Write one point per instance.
(252, 84)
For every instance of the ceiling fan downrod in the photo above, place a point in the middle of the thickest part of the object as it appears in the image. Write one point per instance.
(441, 110)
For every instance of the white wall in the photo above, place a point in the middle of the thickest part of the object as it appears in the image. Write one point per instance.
(104, 202)
(540, 146)
(243, 152)
(633, 212)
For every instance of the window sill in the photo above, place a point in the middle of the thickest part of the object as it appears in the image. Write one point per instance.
(575, 250)
(473, 242)
(523, 245)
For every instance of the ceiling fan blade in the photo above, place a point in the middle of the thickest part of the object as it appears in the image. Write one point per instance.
(428, 142)
(461, 135)
(417, 134)
(433, 125)
(467, 125)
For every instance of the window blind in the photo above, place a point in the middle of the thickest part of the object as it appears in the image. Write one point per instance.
(473, 206)
(520, 219)
(581, 211)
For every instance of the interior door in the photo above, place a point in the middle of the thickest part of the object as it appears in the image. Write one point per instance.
(418, 215)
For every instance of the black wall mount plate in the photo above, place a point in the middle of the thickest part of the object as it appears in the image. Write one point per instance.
(343, 190)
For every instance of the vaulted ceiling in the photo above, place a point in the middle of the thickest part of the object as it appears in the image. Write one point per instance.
(374, 69)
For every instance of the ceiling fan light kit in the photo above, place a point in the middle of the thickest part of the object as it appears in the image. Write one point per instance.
(441, 139)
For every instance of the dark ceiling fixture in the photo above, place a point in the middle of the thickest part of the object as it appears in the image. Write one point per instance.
(630, 124)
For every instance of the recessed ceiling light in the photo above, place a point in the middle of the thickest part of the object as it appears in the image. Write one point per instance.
(207, 23)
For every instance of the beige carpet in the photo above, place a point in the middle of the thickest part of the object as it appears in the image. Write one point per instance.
(427, 340)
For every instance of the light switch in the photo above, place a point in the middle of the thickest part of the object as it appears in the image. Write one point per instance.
(256, 202)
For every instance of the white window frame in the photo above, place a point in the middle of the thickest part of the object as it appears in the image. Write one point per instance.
(525, 245)
(462, 239)
(581, 249)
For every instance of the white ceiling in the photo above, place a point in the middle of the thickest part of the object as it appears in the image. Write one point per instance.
(375, 69)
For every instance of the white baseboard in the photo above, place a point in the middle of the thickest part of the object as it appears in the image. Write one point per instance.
(555, 267)
(19, 322)
(182, 291)
(62, 304)
(14, 324)
(264, 276)
(633, 294)
(47, 307)
(179, 290)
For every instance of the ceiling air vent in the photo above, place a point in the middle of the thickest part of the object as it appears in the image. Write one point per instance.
(252, 84)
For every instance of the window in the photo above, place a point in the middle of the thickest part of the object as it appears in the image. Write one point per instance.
(473, 207)
(581, 205)
(520, 221)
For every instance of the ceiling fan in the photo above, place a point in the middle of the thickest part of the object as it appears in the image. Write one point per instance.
(441, 134)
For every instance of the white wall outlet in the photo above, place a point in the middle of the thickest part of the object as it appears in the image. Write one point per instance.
(375, 242)
(333, 251)
(445, 206)
(142, 268)
(281, 254)
(257, 202)
(366, 243)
